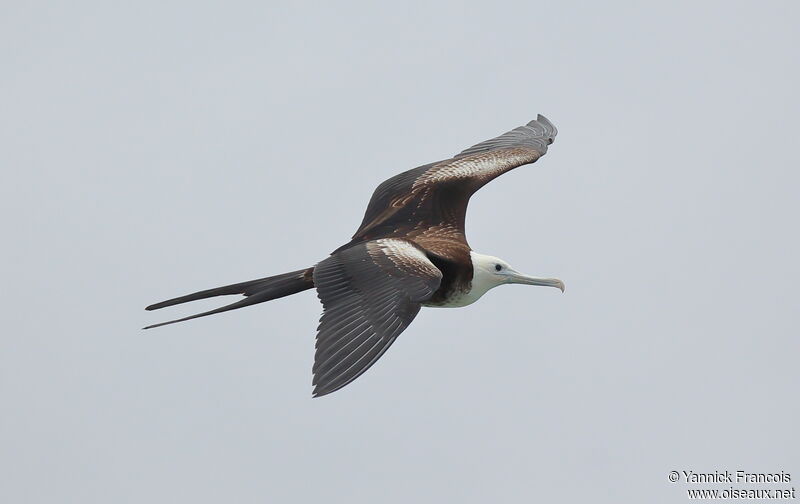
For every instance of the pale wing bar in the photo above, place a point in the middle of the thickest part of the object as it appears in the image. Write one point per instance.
(370, 293)
(483, 162)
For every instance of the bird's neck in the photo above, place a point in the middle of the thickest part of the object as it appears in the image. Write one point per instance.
(483, 277)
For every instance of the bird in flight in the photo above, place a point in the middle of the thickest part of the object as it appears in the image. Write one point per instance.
(410, 251)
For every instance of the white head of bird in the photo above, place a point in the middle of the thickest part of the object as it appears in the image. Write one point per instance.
(488, 272)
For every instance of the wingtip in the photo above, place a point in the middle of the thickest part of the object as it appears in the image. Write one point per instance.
(550, 127)
(321, 389)
(318, 391)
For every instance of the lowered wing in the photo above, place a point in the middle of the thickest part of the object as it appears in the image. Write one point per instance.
(370, 293)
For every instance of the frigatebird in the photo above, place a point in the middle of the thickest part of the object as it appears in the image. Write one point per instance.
(410, 251)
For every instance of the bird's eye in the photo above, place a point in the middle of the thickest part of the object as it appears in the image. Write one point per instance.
(497, 267)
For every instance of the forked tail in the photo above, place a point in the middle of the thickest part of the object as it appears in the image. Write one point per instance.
(257, 291)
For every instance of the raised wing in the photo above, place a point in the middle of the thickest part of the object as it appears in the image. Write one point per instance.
(370, 293)
(435, 196)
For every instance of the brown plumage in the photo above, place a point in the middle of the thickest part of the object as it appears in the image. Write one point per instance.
(409, 251)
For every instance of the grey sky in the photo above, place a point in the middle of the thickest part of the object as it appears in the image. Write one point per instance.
(164, 147)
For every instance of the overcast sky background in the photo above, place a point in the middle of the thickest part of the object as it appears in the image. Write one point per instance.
(159, 148)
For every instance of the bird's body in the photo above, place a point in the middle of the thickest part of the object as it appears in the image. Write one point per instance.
(409, 251)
